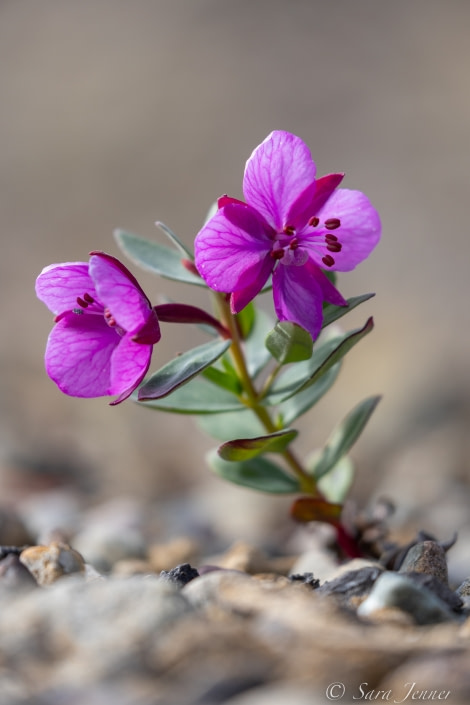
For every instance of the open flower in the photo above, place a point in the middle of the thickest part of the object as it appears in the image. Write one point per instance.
(293, 226)
(105, 327)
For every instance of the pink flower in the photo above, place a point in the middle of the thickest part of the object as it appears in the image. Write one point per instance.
(293, 226)
(105, 327)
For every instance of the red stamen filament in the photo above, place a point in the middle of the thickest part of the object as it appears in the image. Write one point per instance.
(289, 230)
(313, 222)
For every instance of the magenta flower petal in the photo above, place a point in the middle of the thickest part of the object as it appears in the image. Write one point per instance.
(359, 232)
(235, 241)
(129, 364)
(58, 285)
(78, 355)
(298, 297)
(253, 280)
(312, 199)
(118, 289)
(276, 175)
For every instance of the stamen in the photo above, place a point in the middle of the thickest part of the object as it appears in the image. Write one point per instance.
(81, 302)
(89, 299)
(332, 223)
(109, 318)
(294, 243)
(289, 230)
(330, 238)
(277, 254)
(313, 222)
(334, 247)
(328, 260)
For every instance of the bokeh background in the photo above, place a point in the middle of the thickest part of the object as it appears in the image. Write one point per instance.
(117, 113)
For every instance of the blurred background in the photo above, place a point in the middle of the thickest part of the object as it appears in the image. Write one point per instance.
(116, 114)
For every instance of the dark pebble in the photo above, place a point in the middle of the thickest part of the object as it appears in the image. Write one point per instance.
(181, 575)
(354, 583)
(306, 579)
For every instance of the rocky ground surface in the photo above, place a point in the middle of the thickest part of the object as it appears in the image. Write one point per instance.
(127, 620)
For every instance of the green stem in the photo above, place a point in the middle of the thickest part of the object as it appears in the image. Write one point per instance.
(307, 482)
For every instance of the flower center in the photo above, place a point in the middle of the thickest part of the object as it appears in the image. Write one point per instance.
(87, 301)
(287, 248)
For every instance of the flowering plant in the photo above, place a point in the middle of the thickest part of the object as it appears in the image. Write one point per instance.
(255, 377)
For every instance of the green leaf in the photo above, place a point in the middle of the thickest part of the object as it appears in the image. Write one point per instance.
(175, 240)
(246, 448)
(336, 484)
(323, 359)
(257, 474)
(223, 379)
(289, 342)
(182, 369)
(257, 355)
(246, 320)
(155, 258)
(343, 437)
(223, 427)
(196, 397)
(332, 313)
(300, 403)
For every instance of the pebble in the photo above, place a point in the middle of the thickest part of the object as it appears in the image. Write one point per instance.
(440, 589)
(398, 590)
(426, 557)
(179, 576)
(13, 574)
(352, 586)
(464, 588)
(49, 563)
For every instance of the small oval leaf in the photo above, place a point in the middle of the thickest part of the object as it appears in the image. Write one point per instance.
(289, 342)
(246, 448)
(182, 369)
(257, 474)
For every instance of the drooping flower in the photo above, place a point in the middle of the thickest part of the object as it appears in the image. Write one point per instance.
(292, 226)
(105, 327)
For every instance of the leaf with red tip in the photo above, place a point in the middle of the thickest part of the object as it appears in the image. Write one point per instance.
(246, 448)
(307, 509)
